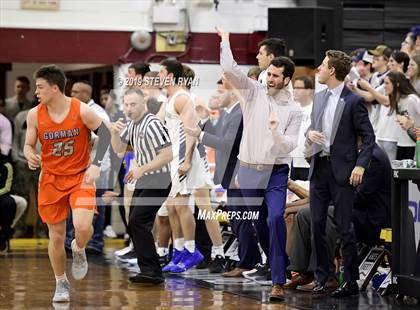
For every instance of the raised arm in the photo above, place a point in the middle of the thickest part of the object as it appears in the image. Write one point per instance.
(34, 159)
(231, 70)
(373, 93)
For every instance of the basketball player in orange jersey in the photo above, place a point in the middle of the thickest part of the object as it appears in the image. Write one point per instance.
(63, 125)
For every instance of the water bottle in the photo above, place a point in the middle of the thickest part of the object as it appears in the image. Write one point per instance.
(418, 152)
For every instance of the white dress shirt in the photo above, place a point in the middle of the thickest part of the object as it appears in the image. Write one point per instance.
(328, 117)
(257, 144)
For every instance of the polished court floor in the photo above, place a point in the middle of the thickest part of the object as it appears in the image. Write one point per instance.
(26, 282)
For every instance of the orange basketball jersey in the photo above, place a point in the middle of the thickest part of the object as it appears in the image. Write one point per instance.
(65, 146)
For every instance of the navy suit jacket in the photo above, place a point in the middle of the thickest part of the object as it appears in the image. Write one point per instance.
(350, 120)
(372, 198)
(226, 141)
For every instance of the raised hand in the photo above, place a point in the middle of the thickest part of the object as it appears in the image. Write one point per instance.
(222, 34)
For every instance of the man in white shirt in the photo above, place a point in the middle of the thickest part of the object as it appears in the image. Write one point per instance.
(271, 126)
(304, 93)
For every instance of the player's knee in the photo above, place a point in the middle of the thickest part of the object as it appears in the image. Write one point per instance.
(56, 239)
(82, 227)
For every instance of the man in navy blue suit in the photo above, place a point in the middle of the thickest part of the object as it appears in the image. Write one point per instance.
(225, 138)
(338, 117)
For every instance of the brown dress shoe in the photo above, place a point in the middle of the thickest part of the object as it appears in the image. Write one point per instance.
(235, 273)
(277, 293)
(299, 280)
(331, 283)
(307, 287)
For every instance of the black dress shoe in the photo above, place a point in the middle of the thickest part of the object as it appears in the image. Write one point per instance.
(319, 289)
(346, 289)
(147, 278)
(217, 265)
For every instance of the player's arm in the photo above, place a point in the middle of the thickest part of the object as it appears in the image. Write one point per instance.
(185, 108)
(34, 159)
(100, 127)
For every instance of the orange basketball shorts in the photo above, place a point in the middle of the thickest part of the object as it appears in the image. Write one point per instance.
(56, 193)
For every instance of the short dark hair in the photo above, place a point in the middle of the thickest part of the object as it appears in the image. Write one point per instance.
(53, 74)
(84, 82)
(188, 75)
(153, 105)
(340, 61)
(152, 74)
(274, 46)
(23, 79)
(175, 67)
(401, 57)
(136, 91)
(140, 68)
(307, 82)
(286, 63)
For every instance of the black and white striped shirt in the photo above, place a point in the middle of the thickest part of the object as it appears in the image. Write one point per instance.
(147, 137)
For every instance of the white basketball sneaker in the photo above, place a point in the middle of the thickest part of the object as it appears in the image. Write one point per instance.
(62, 291)
(79, 268)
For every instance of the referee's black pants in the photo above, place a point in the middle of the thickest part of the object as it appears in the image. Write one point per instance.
(145, 204)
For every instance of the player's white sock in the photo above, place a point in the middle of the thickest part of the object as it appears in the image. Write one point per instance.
(190, 245)
(62, 277)
(179, 244)
(217, 250)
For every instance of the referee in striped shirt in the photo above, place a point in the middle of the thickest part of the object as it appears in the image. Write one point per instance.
(150, 141)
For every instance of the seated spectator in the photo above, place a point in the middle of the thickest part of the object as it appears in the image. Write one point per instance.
(11, 207)
(5, 131)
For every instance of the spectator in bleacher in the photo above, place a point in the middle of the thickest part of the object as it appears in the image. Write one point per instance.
(404, 101)
(363, 63)
(416, 38)
(413, 72)
(407, 46)
(19, 101)
(103, 95)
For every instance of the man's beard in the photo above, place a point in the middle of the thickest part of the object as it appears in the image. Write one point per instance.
(275, 90)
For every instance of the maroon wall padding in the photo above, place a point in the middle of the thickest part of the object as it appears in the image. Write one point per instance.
(110, 47)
